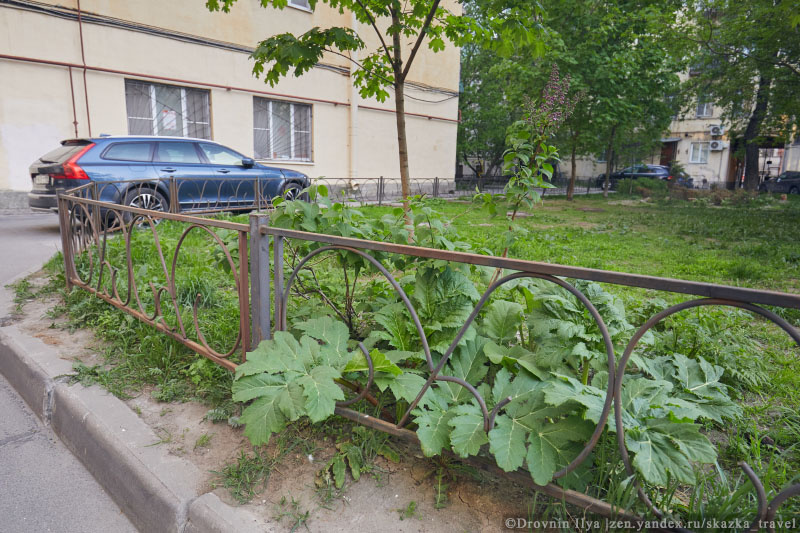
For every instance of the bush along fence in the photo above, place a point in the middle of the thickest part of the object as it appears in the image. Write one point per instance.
(465, 369)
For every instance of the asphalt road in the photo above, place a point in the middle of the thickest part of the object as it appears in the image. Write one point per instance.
(43, 487)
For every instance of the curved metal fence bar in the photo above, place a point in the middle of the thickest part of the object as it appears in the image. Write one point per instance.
(396, 286)
(620, 374)
(87, 223)
(84, 238)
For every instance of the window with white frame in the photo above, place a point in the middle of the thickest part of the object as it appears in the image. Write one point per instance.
(302, 4)
(281, 130)
(168, 110)
(704, 107)
(699, 153)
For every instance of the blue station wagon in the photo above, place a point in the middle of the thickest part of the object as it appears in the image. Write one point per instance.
(136, 171)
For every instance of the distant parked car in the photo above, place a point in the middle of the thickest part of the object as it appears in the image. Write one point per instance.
(788, 182)
(208, 174)
(646, 171)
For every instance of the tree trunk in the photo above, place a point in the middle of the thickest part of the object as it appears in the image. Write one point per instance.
(571, 184)
(751, 177)
(400, 113)
(609, 161)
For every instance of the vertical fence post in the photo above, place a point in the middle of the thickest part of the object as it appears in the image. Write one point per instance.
(259, 279)
(96, 210)
(380, 191)
(244, 295)
(436, 187)
(277, 250)
(173, 195)
(66, 239)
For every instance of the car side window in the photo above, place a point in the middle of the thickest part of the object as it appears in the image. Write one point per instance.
(177, 152)
(219, 155)
(139, 152)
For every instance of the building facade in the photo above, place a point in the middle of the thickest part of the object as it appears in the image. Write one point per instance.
(699, 141)
(85, 68)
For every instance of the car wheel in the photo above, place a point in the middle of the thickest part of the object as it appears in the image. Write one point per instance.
(294, 191)
(145, 198)
(794, 190)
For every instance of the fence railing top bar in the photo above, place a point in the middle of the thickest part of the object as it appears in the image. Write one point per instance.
(223, 224)
(78, 189)
(697, 288)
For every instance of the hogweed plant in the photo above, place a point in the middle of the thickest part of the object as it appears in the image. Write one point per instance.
(529, 157)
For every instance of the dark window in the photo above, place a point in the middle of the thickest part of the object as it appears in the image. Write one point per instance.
(129, 152)
(62, 153)
(168, 110)
(177, 152)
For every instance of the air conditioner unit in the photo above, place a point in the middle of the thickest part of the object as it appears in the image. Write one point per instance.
(717, 130)
(716, 146)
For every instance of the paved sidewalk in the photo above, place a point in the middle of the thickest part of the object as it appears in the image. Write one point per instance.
(43, 486)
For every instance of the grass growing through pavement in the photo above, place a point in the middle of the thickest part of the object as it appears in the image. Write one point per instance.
(750, 243)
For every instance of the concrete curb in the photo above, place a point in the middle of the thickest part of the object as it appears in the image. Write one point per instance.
(157, 491)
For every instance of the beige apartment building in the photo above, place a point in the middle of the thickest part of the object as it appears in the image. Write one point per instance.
(147, 67)
(699, 140)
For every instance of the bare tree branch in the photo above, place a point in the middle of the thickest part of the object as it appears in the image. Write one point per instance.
(377, 32)
(421, 37)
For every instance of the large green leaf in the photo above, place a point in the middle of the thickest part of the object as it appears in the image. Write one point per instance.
(468, 363)
(321, 392)
(514, 355)
(549, 446)
(380, 363)
(249, 387)
(397, 325)
(433, 429)
(262, 418)
(664, 449)
(468, 434)
(502, 321)
(507, 442)
(280, 354)
(332, 333)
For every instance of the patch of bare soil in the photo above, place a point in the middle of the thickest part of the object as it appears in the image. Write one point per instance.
(390, 497)
(630, 202)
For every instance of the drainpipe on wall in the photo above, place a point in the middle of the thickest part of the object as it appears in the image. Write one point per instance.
(83, 60)
(354, 96)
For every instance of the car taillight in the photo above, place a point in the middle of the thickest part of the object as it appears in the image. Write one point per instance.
(71, 169)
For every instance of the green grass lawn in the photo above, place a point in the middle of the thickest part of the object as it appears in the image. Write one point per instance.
(745, 245)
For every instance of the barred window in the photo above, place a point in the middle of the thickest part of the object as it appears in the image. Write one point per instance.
(281, 130)
(167, 110)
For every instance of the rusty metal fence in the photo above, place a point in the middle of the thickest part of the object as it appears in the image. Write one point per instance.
(264, 287)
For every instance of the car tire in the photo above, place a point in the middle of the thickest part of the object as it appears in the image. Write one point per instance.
(293, 191)
(794, 190)
(145, 198)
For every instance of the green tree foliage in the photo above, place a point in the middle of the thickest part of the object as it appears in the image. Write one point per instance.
(615, 55)
(401, 30)
(746, 59)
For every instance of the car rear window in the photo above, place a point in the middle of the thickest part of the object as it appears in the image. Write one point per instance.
(62, 153)
(129, 152)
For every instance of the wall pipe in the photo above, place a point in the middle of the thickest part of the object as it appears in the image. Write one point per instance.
(211, 85)
(353, 106)
(74, 110)
(83, 59)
